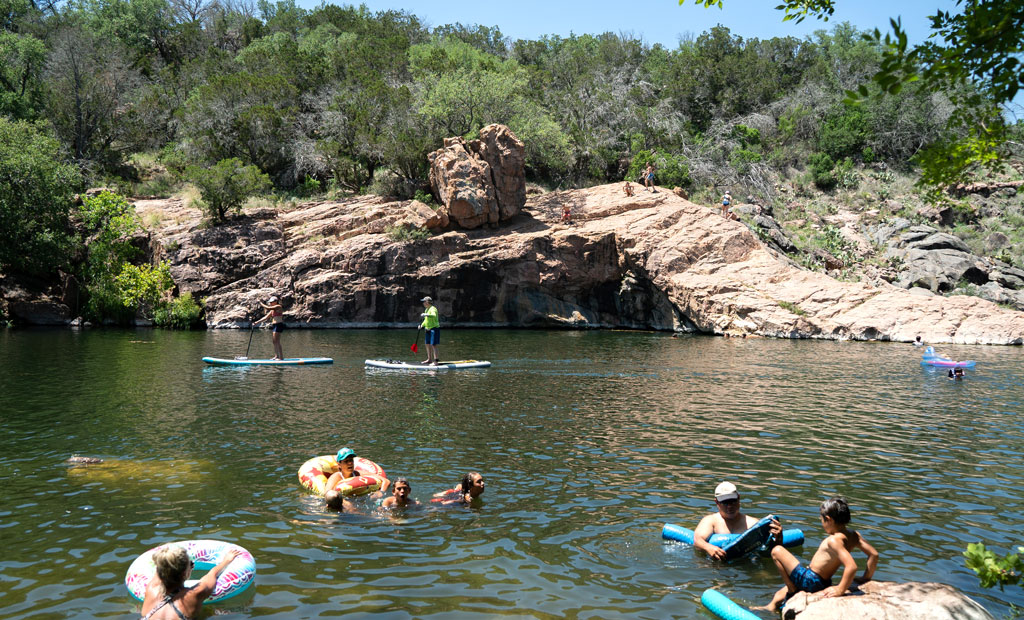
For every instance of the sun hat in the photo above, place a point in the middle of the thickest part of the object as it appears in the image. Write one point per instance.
(726, 491)
(344, 453)
(273, 298)
(427, 298)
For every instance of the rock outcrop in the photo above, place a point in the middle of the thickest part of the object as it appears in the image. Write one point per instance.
(941, 262)
(882, 600)
(652, 261)
(482, 181)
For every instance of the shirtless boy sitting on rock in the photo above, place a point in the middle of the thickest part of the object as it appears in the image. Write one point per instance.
(833, 552)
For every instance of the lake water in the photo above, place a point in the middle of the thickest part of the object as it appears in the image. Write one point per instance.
(589, 442)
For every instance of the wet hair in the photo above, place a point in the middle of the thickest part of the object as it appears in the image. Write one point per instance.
(172, 564)
(836, 509)
(335, 499)
(467, 481)
(402, 481)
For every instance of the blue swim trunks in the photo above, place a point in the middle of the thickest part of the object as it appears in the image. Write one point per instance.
(807, 580)
(433, 336)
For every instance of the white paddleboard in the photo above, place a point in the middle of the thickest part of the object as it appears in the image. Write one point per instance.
(400, 365)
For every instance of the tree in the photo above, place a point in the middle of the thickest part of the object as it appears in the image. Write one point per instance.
(227, 185)
(36, 187)
(89, 88)
(972, 56)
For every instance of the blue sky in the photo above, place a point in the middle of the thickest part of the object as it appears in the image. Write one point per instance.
(656, 21)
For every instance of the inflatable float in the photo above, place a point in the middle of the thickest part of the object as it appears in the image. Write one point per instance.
(400, 365)
(723, 607)
(314, 473)
(931, 359)
(288, 361)
(235, 579)
(737, 545)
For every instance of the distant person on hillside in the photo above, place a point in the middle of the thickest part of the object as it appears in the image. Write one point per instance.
(833, 552)
(469, 488)
(567, 214)
(432, 325)
(276, 315)
(649, 177)
(627, 188)
(726, 202)
(728, 520)
(918, 342)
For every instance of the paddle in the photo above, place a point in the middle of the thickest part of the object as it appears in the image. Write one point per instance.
(413, 347)
(252, 326)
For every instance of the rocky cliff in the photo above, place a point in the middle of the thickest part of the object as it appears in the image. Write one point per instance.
(653, 261)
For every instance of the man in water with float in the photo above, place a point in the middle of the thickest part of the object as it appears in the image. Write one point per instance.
(346, 469)
(728, 520)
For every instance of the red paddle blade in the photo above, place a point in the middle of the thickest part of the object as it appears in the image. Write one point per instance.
(414, 348)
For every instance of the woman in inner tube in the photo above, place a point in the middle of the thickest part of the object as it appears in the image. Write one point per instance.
(167, 598)
(346, 469)
(469, 488)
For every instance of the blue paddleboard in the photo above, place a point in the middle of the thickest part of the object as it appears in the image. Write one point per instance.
(288, 361)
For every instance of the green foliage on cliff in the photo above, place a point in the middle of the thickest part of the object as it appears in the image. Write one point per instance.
(36, 187)
(117, 288)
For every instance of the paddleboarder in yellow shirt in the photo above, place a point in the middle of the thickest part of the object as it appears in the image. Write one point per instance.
(433, 331)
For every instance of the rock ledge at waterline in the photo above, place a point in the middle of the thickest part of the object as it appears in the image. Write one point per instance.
(651, 261)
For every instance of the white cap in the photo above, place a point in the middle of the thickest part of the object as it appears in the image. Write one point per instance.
(726, 491)
(427, 299)
(273, 298)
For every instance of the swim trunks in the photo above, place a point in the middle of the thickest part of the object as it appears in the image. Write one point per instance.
(277, 328)
(807, 580)
(433, 336)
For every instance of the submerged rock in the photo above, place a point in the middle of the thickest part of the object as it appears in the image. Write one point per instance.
(884, 600)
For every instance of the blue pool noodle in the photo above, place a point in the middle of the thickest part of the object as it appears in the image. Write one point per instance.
(723, 607)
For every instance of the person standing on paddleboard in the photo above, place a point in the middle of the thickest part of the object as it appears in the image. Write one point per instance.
(276, 315)
(433, 330)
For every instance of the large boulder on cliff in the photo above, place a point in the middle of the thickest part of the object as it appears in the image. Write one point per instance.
(886, 600)
(482, 181)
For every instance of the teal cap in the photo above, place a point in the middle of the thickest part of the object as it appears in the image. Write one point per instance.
(344, 453)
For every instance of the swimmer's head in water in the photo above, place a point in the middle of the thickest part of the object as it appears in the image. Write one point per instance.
(172, 565)
(335, 500)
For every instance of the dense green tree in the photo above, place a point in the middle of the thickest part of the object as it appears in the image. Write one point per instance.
(36, 187)
(226, 186)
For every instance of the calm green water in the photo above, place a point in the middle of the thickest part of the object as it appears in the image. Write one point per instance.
(589, 442)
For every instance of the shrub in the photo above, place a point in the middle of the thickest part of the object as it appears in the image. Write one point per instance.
(143, 287)
(225, 186)
(308, 187)
(426, 198)
(844, 133)
(407, 233)
(181, 313)
(822, 171)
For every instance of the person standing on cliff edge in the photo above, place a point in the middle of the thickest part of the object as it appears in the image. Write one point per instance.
(433, 333)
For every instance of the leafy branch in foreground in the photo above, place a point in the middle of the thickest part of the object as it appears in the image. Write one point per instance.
(993, 570)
